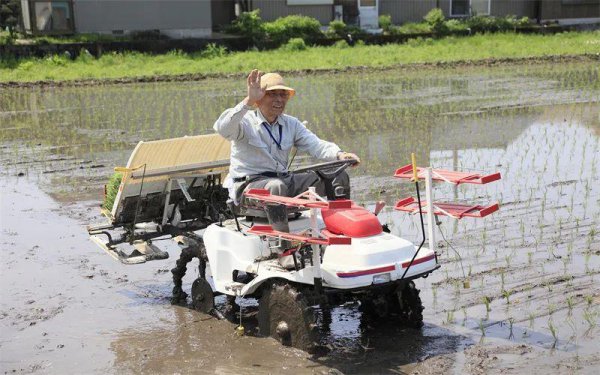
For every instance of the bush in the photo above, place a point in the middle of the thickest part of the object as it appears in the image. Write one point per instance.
(336, 29)
(57, 60)
(249, 24)
(456, 25)
(492, 24)
(213, 50)
(294, 44)
(385, 22)
(10, 11)
(6, 38)
(523, 22)
(414, 28)
(436, 20)
(283, 29)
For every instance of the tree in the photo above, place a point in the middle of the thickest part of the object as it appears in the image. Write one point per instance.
(10, 12)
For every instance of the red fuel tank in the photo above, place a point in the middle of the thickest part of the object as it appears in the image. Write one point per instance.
(351, 222)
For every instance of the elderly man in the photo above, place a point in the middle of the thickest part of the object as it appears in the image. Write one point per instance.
(262, 137)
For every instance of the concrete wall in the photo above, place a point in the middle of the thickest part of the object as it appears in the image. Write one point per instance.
(270, 10)
(524, 8)
(406, 10)
(178, 18)
(573, 9)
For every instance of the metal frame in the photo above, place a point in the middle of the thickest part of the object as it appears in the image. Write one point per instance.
(33, 25)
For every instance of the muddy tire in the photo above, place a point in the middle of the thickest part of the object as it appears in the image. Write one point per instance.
(284, 314)
(403, 302)
(410, 306)
(202, 296)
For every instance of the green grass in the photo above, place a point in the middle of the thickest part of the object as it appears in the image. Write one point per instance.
(110, 66)
(60, 39)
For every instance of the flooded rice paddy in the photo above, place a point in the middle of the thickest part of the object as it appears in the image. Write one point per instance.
(533, 304)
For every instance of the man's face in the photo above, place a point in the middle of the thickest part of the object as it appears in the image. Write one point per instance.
(273, 103)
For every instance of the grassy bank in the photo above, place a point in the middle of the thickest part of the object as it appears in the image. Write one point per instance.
(112, 66)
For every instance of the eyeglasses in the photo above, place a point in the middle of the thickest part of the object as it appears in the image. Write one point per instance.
(281, 94)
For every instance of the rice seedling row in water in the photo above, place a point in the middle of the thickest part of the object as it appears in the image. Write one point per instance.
(539, 248)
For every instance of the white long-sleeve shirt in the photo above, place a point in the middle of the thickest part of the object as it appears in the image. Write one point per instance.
(254, 151)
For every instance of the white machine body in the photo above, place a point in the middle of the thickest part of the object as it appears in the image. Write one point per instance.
(366, 261)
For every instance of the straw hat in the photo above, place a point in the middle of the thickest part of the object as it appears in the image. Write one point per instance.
(273, 81)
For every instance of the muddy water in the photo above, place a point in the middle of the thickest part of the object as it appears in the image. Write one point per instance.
(66, 306)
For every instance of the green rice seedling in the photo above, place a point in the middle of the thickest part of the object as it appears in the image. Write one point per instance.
(482, 327)
(502, 275)
(511, 321)
(522, 229)
(506, 294)
(570, 304)
(565, 261)
(487, 301)
(551, 308)
(589, 299)
(531, 320)
(559, 236)
(553, 331)
(111, 190)
(590, 317)
(529, 258)
(449, 317)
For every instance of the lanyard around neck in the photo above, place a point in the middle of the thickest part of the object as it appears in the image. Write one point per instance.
(278, 143)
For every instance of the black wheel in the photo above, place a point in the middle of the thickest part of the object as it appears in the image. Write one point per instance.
(284, 314)
(403, 302)
(378, 306)
(202, 296)
(411, 308)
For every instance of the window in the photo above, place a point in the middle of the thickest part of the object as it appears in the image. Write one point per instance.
(51, 16)
(480, 7)
(459, 8)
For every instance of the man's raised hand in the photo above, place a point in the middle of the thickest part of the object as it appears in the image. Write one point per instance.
(255, 91)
